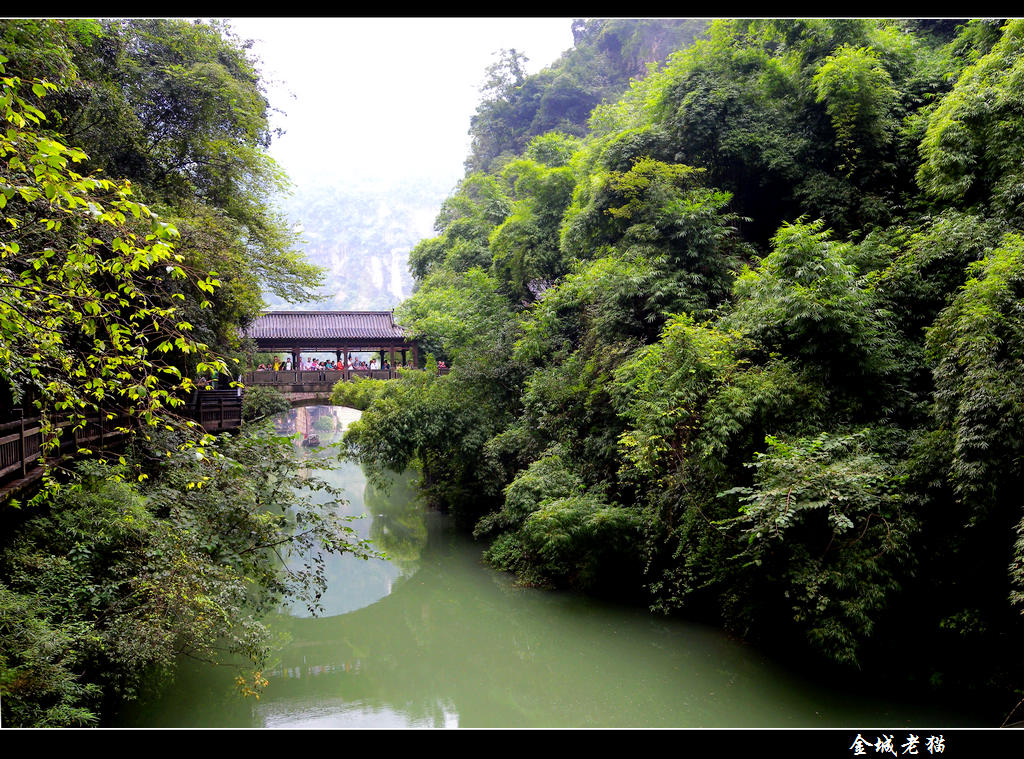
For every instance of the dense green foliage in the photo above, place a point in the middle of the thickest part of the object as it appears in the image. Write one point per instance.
(116, 577)
(749, 345)
(358, 393)
(136, 199)
(608, 52)
(175, 112)
(262, 402)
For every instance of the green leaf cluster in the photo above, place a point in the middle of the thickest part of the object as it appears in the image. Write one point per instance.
(136, 199)
(749, 346)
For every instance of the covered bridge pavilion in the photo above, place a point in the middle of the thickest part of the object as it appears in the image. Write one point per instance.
(338, 332)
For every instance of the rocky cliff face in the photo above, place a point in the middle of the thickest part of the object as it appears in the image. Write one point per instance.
(630, 45)
(362, 236)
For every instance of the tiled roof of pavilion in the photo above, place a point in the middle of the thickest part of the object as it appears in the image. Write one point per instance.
(346, 325)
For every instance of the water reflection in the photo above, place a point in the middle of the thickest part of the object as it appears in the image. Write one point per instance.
(392, 520)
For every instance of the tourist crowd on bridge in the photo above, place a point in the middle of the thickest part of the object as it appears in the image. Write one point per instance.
(316, 365)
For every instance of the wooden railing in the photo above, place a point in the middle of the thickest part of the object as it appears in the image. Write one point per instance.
(20, 445)
(218, 410)
(22, 442)
(325, 377)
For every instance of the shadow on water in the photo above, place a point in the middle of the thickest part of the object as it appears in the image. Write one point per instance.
(432, 638)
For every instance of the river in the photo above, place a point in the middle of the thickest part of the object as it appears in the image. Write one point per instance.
(433, 638)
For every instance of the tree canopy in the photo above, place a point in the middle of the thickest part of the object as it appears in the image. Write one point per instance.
(746, 344)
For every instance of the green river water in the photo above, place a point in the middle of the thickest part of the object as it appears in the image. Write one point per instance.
(433, 638)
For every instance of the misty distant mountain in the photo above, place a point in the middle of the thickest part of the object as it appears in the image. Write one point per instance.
(362, 235)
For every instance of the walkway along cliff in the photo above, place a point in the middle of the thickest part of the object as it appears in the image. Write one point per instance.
(21, 440)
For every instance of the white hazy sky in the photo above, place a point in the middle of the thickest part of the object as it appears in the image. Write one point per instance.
(384, 100)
